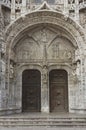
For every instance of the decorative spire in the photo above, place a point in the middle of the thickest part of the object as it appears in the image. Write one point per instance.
(13, 10)
(6, 3)
(77, 10)
(66, 7)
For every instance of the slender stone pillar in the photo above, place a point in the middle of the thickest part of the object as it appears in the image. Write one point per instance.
(45, 86)
(23, 6)
(66, 7)
(12, 10)
(77, 10)
(45, 91)
(3, 98)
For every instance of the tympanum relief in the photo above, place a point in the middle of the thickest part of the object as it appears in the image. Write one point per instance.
(27, 49)
(61, 49)
(44, 44)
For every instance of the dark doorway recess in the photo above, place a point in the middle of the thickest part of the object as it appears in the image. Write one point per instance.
(58, 82)
(31, 91)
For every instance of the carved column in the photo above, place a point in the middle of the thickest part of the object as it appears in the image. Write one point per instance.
(80, 72)
(13, 10)
(23, 6)
(45, 91)
(66, 7)
(85, 81)
(77, 10)
(83, 87)
(3, 97)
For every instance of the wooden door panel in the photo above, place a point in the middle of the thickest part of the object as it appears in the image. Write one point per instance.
(58, 99)
(31, 91)
(58, 90)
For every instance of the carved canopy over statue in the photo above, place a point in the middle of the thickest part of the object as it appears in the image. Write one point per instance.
(6, 2)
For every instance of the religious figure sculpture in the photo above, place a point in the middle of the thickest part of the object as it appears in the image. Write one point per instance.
(45, 86)
(55, 49)
(77, 55)
(43, 36)
(77, 64)
(45, 74)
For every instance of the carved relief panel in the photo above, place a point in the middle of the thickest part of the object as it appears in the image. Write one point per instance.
(28, 49)
(61, 49)
(44, 44)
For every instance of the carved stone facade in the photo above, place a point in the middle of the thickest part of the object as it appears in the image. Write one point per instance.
(45, 40)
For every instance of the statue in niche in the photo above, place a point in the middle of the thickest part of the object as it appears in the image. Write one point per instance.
(25, 54)
(44, 41)
(77, 54)
(45, 84)
(78, 68)
(75, 77)
(76, 72)
(45, 75)
(55, 49)
(77, 61)
(43, 36)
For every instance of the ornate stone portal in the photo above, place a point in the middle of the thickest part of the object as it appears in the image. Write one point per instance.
(42, 41)
(43, 48)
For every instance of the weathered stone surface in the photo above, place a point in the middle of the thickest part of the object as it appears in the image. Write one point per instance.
(44, 40)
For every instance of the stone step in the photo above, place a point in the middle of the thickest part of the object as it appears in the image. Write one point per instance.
(43, 121)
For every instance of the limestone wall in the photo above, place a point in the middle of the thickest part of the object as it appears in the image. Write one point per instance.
(42, 36)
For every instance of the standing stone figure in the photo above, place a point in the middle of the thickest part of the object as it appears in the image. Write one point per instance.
(55, 49)
(45, 75)
(77, 59)
(77, 70)
(77, 55)
(44, 36)
(45, 88)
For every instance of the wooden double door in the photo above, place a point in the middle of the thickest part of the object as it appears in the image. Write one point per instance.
(31, 91)
(58, 82)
